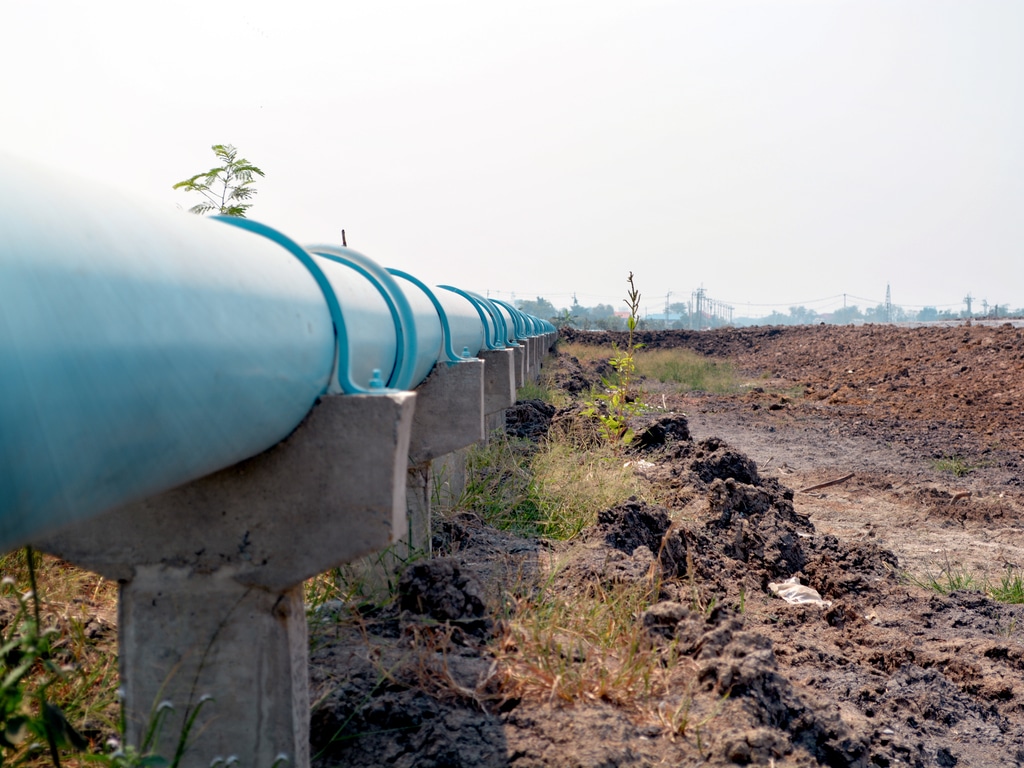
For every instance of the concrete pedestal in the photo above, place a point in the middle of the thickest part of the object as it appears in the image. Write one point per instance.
(499, 386)
(532, 358)
(211, 574)
(520, 366)
(449, 474)
(449, 411)
(239, 653)
(449, 416)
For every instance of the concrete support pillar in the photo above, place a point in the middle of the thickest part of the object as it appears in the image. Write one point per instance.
(533, 358)
(211, 575)
(520, 366)
(234, 651)
(449, 416)
(449, 411)
(499, 386)
(449, 474)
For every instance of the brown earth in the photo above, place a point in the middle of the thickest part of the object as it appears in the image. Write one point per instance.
(889, 672)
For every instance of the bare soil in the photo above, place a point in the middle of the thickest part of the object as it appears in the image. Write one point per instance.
(888, 672)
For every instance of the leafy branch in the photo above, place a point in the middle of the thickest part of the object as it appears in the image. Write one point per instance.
(225, 187)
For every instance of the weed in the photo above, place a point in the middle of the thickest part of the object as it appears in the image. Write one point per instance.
(532, 390)
(61, 662)
(368, 584)
(619, 401)
(1010, 588)
(677, 720)
(954, 465)
(950, 579)
(499, 484)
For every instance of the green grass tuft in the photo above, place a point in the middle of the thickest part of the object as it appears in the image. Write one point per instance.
(690, 371)
(955, 465)
(1009, 589)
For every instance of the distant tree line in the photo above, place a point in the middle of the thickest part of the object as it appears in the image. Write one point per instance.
(603, 317)
(677, 316)
(878, 314)
(600, 317)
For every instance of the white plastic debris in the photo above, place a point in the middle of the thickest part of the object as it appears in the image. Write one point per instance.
(792, 591)
(639, 464)
(641, 467)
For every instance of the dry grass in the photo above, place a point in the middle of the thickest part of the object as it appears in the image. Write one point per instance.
(578, 644)
(586, 645)
(587, 353)
(551, 490)
(687, 370)
(79, 670)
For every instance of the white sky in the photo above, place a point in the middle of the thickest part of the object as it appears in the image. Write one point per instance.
(775, 152)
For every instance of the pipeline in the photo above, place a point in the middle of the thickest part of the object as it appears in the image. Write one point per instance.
(142, 348)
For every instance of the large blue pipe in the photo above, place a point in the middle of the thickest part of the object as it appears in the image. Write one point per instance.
(142, 348)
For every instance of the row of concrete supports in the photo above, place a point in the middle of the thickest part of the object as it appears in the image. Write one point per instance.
(211, 574)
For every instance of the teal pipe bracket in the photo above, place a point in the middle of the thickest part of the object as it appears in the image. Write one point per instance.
(338, 383)
(449, 353)
(494, 339)
(401, 377)
(518, 323)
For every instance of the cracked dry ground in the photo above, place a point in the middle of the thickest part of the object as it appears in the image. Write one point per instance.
(890, 673)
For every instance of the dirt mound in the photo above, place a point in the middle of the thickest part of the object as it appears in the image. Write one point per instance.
(575, 425)
(712, 459)
(631, 525)
(443, 591)
(775, 720)
(940, 391)
(571, 376)
(529, 419)
(655, 431)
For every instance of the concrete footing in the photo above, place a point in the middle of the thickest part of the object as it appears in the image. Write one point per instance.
(520, 365)
(449, 477)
